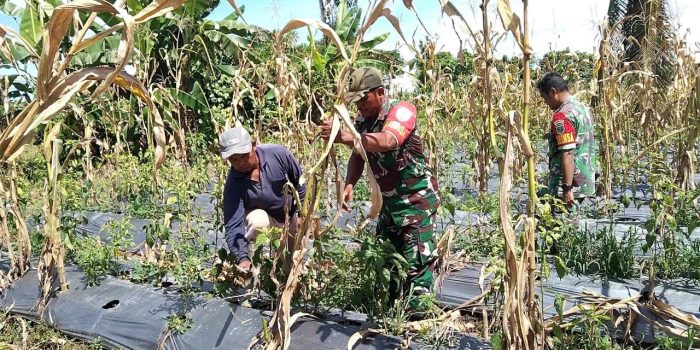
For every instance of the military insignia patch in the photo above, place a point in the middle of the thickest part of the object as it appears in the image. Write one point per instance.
(403, 114)
(559, 126)
(396, 126)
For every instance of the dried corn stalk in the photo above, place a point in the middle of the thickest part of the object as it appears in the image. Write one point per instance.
(519, 325)
(521, 322)
(598, 304)
(52, 253)
(54, 92)
(281, 321)
(687, 165)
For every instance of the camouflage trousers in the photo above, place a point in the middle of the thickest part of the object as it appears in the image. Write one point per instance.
(416, 244)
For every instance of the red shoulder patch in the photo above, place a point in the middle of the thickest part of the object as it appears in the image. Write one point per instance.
(401, 121)
(563, 130)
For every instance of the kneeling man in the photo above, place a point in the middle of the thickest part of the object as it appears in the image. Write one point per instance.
(254, 195)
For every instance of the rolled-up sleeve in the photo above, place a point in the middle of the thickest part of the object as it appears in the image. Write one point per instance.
(234, 212)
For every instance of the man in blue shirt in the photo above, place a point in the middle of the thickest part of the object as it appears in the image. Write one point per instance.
(255, 196)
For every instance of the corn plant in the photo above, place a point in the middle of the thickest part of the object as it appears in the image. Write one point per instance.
(55, 89)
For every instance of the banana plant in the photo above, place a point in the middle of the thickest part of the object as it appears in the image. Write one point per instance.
(347, 27)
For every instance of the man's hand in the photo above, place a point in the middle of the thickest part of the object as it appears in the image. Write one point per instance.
(569, 198)
(244, 266)
(326, 130)
(347, 197)
(298, 222)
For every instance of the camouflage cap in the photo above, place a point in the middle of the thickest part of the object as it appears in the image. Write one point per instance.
(361, 81)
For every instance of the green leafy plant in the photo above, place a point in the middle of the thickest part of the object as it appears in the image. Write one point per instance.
(669, 343)
(589, 333)
(97, 259)
(179, 324)
(605, 254)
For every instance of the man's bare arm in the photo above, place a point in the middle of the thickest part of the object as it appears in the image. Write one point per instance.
(567, 167)
(372, 142)
(355, 167)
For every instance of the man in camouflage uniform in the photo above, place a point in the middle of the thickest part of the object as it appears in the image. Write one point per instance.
(572, 149)
(395, 155)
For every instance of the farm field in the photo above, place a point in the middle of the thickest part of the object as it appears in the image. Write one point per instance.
(113, 229)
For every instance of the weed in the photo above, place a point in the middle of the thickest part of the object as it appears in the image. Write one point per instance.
(147, 272)
(436, 338)
(17, 333)
(395, 318)
(179, 324)
(683, 263)
(361, 191)
(604, 253)
(96, 344)
(668, 343)
(190, 253)
(96, 259)
(479, 243)
(590, 332)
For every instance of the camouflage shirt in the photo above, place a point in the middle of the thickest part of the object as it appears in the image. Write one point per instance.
(572, 128)
(409, 190)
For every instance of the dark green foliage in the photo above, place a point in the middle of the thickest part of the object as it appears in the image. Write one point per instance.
(590, 332)
(572, 66)
(646, 35)
(329, 10)
(445, 63)
(683, 263)
(99, 259)
(604, 253)
(179, 324)
(348, 275)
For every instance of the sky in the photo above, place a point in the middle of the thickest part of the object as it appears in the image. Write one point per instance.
(555, 25)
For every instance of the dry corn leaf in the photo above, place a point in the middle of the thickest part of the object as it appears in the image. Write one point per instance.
(516, 122)
(4, 30)
(294, 318)
(376, 193)
(357, 336)
(126, 45)
(13, 139)
(94, 39)
(335, 128)
(56, 30)
(325, 29)
(155, 9)
(386, 12)
(20, 131)
(669, 311)
(511, 22)
(381, 11)
(23, 133)
(58, 26)
(451, 10)
(374, 15)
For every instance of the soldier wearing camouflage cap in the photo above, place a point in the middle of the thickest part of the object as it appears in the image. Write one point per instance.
(395, 152)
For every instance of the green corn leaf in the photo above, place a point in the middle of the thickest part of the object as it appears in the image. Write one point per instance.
(30, 26)
(560, 266)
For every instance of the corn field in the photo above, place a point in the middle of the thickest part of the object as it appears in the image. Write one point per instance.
(115, 107)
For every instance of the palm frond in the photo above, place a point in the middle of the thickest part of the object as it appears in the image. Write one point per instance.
(645, 35)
